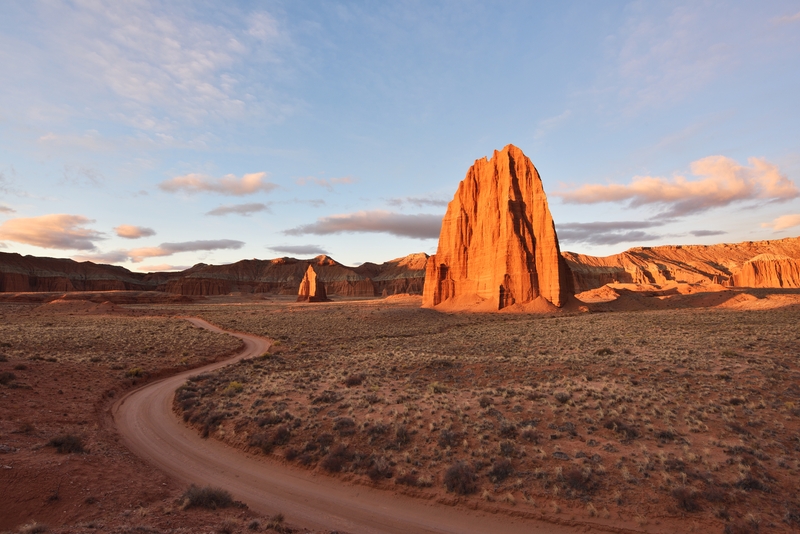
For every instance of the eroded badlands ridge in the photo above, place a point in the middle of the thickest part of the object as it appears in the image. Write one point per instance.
(498, 245)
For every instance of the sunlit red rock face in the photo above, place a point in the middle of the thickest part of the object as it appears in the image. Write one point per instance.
(498, 246)
(312, 289)
(772, 263)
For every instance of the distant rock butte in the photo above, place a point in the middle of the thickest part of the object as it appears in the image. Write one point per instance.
(498, 245)
(773, 263)
(312, 289)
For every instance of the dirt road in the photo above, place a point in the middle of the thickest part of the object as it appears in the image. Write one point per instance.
(151, 430)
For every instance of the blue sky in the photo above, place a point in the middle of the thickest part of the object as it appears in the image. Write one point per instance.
(156, 135)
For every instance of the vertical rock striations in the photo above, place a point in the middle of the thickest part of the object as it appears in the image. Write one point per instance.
(311, 288)
(498, 245)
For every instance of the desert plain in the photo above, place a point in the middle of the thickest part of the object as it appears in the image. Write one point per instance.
(672, 419)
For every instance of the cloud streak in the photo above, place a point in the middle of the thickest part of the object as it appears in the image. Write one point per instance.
(420, 226)
(304, 250)
(238, 209)
(129, 231)
(722, 182)
(327, 183)
(784, 222)
(57, 231)
(227, 185)
(606, 232)
(6, 209)
(168, 249)
(420, 202)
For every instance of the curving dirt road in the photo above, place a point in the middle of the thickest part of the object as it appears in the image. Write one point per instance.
(151, 430)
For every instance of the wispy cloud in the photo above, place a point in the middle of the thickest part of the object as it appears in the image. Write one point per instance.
(6, 209)
(421, 226)
(57, 231)
(706, 233)
(784, 222)
(417, 201)
(168, 249)
(239, 209)
(327, 183)
(606, 232)
(227, 185)
(723, 182)
(545, 125)
(789, 18)
(133, 232)
(156, 64)
(303, 250)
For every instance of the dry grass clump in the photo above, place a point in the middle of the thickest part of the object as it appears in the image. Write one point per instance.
(67, 444)
(696, 409)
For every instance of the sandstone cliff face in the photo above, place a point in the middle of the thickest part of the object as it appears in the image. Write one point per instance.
(312, 289)
(400, 275)
(769, 270)
(498, 244)
(725, 264)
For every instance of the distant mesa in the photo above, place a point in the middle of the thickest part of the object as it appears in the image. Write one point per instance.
(312, 289)
(498, 246)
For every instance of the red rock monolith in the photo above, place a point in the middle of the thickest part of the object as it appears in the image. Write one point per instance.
(311, 288)
(498, 245)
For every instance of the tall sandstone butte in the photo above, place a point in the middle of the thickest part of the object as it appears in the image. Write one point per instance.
(498, 245)
(312, 289)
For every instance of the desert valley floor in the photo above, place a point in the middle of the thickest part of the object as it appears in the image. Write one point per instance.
(679, 419)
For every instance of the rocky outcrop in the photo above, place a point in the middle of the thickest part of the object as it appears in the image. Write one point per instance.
(498, 245)
(726, 264)
(312, 289)
(769, 270)
(397, 276)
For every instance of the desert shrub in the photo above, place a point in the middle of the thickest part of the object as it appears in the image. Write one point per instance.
(407, 479)
(508, 430)
(562, 396)
(336, 459)
(67, 444)
(626, 431)
(262, 441)
(485, 401)
(508, 448)
(576, 478)
(6, 377)
(3, 358)
(714, 494)
(233, 388)
(206, 497)
(604, 352)
(133, 372)
(33, 528)
(228, 526)
(271, 419)
(291, 453)
(436, 388)
(460, 478)
(275, 524)
(379, 468)
(531, 435)
(742, 526)
(402, 435)
(751, 483)
(686, 498)
(281, 435)
(20, 367)
(378, 429)
(448, 438)
(325, 440)
(344, 425)
(500, 470)
(354, 380)
(326, 397)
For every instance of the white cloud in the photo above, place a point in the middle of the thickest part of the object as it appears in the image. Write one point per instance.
(227, 185)
(723, 182)
(129, 231)
(784, 222)
(57, 231)
(303, 250)
(168, 249)
(421, 226)
(161, 267)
